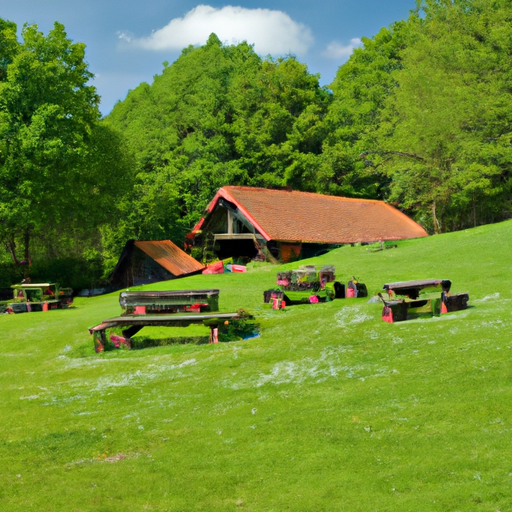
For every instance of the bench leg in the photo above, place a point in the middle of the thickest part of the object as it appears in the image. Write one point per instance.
(214, 334)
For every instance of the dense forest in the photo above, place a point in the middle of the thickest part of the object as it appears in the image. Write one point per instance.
(419, 116)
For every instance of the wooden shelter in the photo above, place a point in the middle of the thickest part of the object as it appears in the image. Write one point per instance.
(143, 262)
(286, 225)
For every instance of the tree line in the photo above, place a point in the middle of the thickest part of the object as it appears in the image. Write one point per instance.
(418, 116)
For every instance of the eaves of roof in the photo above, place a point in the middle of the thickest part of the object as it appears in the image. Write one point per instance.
(170, 256)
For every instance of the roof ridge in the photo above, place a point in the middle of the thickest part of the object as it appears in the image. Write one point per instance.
(358, 199)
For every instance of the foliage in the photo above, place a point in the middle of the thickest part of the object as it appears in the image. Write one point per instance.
(238, 329)
(9, 274)
(448, 122)
(359, 92)
(8, 46)
(76, 273)
(419, 116)
(330, 409)
(219, 115)
(57, 163)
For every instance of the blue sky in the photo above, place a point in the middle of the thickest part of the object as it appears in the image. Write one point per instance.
(128, 40)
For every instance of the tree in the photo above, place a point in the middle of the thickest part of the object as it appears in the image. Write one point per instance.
(360, 89)
(219, 115)
(278, 130)
(445, 141)
(8, 46)
(51, 173)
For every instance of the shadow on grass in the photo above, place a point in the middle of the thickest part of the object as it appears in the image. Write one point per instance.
(139, 343)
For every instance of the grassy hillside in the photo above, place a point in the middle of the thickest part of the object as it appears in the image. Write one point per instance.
(330, 409)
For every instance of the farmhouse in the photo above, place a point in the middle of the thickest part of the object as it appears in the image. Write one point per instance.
(284, 225)
(143, 262)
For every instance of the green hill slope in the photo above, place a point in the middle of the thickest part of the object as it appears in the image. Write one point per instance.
(330, 409)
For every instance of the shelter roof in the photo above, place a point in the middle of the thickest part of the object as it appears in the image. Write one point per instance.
(293, 216)
(169, 256)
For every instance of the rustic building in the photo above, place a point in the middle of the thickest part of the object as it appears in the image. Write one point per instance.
(284, 224)
(143, 262)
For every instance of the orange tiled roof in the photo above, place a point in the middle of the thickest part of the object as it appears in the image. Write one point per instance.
(170, 256)
(306, 217)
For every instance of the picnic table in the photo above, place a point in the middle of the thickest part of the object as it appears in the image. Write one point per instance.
(132, 324)
(405, 300)
(30, 297)
(175, 308)
(173, 301)
(309, 285)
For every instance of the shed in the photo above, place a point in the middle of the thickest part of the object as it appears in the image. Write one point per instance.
(286, 224)
(143, 262)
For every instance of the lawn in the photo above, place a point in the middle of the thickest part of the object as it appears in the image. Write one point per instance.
(331, 409)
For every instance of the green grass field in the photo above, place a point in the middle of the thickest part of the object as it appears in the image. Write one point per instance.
(331, 409)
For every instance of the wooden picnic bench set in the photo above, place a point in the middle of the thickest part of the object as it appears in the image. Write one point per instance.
(403, 300)
(406, 300)
(179, 308)
(310, 285)
(30, 297)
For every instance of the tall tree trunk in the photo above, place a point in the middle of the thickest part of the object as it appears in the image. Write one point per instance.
(437, 227)
(28, 258)
(22, 266)
(11, 244)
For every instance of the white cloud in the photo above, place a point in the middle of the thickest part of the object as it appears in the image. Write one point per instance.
(336, 50)
(271, 32)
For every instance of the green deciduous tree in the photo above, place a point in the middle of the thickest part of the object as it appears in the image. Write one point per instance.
(360, 89)
(57, 164)
(8, 45)
(219, 115)
(446, 139)
(278, 124)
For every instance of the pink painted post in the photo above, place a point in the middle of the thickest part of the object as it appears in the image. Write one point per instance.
(214, 334)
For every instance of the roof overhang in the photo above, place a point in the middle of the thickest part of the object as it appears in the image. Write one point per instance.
(224, 194)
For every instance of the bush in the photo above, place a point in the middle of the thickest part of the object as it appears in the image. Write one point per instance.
(77, 273)
(10, 274)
